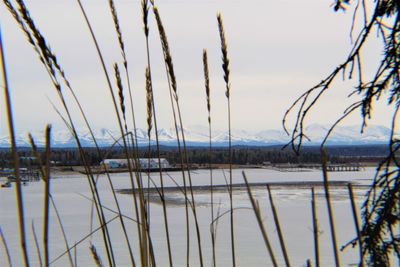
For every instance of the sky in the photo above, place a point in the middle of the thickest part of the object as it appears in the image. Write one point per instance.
(277, 50)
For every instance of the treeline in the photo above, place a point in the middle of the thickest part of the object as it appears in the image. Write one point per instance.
(200, 155)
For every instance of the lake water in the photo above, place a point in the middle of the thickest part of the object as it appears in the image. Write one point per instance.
(292, 202)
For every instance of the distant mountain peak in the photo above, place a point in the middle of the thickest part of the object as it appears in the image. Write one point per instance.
(198, 136)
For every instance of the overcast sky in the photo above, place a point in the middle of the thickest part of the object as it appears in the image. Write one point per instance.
(277, 49)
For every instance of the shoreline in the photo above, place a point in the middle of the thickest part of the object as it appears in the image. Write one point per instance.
(219, 188)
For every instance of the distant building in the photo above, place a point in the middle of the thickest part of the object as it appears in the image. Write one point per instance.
(145, 163)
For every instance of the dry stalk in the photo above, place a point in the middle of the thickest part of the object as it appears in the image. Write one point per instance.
(43, 174)
(145, 16)
(50, 62)
(83, 239)
(149, 109)
(4, 242)
(125, 63)
(225, 68)
(315, 226)
(145, 13)
(11, 130)
(96, 256)
(47, 198)
(75, 256)
(278, 227)
(330, 210)
(208, 97)
(172, 86)
(38, 252)
(257, 212)
(149, 113)
(120, 94)
(173, 92)
(149, 103)
(125, 146)
(356, 222)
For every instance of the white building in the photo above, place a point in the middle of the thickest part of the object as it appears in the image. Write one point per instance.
(145, 163)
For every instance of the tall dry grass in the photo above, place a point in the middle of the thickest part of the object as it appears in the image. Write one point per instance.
(226, 70)
(208, 99)
(141, 203)
(11, 129)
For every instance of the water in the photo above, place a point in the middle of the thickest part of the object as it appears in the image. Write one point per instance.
(292, 202)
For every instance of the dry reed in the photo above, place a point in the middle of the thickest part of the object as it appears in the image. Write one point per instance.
(38, 252)
(149, 104)
(165, 216)
(7, 251)
(43, 172)
(83, 239)
(278, 227)
(329, 208)
(149, 114)
(208, 99)
(50, 62)
(183, 156)
(315, 226)
(140, 216)
(120, 94)
(125, 63)
(356, 223)
(142, 208)
(75, 256)
(11, 129)
(145, 13)
(257, 213)
(46, 208)
(225, 68)
(96, 256)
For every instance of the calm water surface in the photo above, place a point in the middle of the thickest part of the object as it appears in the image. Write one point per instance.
(293, 204)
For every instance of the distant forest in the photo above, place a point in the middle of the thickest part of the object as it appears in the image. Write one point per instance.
(200, 155)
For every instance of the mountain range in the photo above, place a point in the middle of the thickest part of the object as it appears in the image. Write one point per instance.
(198, 136)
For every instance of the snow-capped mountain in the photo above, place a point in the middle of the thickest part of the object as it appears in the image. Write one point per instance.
(198, 136)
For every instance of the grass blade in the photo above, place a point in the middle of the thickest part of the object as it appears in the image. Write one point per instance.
(356, 222)
(46, 198)
(278, 227)
(39, 254)
(315, 226)
(225, 68)
(3, 240)
(208, 97)
(11, 129)
(259, 221)
(330, 210)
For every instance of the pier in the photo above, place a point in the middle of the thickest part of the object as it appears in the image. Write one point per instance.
(331, 167)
